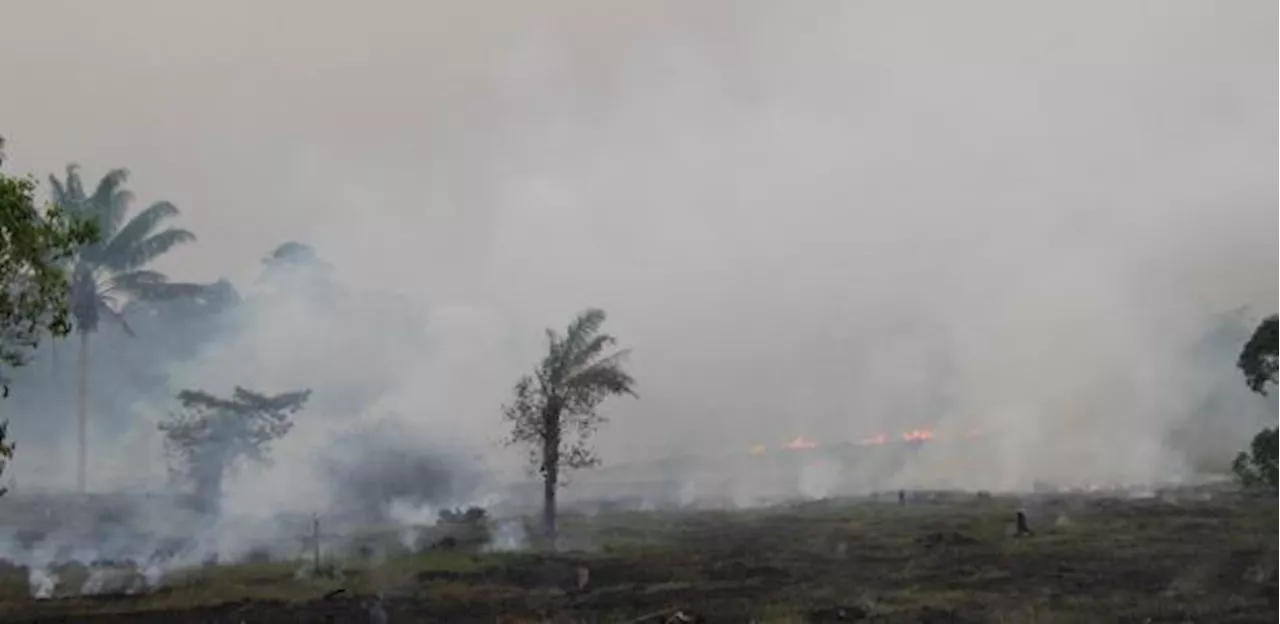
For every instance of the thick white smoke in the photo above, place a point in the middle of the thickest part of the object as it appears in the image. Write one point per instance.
(835, 221)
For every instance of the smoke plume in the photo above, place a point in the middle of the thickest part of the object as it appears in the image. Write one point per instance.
(836, 221)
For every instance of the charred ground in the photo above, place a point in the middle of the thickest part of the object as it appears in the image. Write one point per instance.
(1172, 557)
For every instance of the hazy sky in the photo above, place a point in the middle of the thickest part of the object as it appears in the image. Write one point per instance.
(820, 218)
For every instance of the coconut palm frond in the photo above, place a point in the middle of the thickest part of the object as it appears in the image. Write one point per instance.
(74, 188)
(168, 291)
(110, 201)
(583, 328)
(59, 192)
(589, 352)
(111, 213)
(107, 310)
(137, 229)
(603, 376)
(577, 336)
(146, 250)
(133, 281)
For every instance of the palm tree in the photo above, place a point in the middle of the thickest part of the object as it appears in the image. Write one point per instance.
(560, 399)
(110, 269)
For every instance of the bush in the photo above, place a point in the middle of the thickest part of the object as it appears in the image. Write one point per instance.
(1257, 468)
(472, 515)
(465, 529)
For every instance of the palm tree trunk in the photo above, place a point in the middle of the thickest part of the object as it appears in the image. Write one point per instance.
(550, 474)
(209, 468)
(82, 411)
(549, 479)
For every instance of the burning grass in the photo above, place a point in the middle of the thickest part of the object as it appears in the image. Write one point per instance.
(950, 559)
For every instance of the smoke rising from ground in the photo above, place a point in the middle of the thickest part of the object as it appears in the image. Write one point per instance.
(835, 221)
(382, 469)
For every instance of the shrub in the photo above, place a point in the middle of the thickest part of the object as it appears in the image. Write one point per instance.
(1257, 468)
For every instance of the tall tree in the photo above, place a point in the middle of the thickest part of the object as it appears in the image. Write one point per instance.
(211, 434)
(112, 268)
(34, 245)
(554, 409)
(1258, 357)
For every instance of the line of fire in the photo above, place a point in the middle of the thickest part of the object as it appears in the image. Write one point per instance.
(915, 435)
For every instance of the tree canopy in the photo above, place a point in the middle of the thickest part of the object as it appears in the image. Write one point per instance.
(554, 410)
(572, 380)
(1258, 357)
(243, 425)
(35, 244)
(1257, 468)
(113, 265)
(210, 433)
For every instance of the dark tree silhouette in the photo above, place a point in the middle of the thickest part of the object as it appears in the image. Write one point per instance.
(1258, 357)
(554, 410)
(34, 246)
(1257, 468)
(112, 267)
(211, 434)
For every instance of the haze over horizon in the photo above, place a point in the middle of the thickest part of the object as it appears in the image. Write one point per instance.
(829, 220)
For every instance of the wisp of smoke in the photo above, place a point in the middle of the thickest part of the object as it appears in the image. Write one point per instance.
(382, 470)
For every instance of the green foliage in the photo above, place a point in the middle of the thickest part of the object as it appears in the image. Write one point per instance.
(1258, 357)
(211, 434)
(555, 408)
(113, 264)
(34, 246)
(1257, 468)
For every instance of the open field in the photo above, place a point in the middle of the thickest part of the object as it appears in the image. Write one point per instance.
(1177, 557)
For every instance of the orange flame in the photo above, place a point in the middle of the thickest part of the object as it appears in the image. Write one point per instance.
(917, 435)
(801, 443)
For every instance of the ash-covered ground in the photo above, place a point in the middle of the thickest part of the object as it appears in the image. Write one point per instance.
(398, 504)
(1182, 554)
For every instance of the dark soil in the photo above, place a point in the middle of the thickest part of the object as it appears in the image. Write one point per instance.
(1118, 561)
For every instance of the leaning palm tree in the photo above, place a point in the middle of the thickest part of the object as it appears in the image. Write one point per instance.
(109, 270)
(554, 411)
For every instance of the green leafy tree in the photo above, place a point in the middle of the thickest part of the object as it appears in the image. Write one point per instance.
(33, 280)
(1258, 357)
(34, 245)
(211, 434)
(1257, 468)
(111, 269)
(554, 411)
